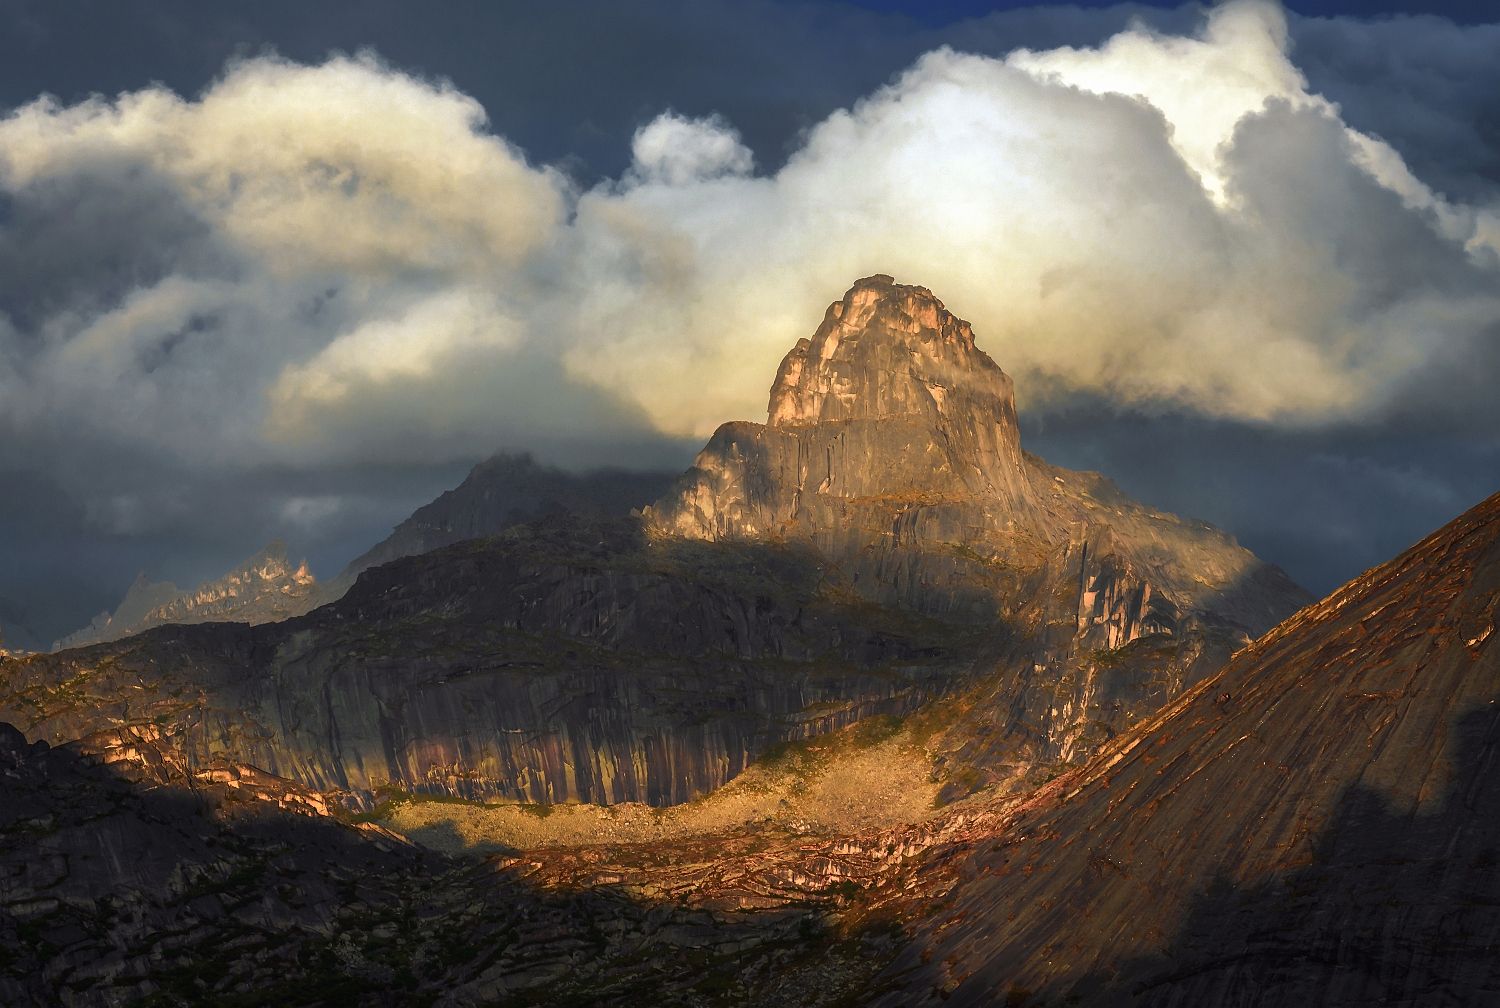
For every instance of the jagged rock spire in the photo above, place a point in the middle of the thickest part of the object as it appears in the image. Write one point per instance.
(886, 349)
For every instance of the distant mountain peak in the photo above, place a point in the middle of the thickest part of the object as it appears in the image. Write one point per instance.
(263, 589)
(499, 492)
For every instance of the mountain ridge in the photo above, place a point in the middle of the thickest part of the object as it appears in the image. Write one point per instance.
(885, 543)
(504, 490)
(263, 589)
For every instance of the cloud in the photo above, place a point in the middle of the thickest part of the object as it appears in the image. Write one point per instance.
(675, 151)
(1204, 86)
(224, 278)
(339, 263)
(346, 165)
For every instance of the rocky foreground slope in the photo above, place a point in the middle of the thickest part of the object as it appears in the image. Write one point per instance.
(881, 542)
(141, 882)
(1318, 824)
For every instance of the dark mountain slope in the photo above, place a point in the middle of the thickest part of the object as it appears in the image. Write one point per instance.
(498, 493)
(1317, 824)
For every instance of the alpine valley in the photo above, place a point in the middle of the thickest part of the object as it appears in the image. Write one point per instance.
(870, 706)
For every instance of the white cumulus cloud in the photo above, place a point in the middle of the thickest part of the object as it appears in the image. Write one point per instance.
(673, 150)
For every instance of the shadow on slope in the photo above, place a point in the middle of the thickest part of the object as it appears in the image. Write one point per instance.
(1392, 907)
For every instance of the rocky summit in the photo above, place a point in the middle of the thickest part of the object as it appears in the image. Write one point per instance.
(891, 445)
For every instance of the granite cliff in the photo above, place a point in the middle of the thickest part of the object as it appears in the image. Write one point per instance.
(891, 449)
(605, 668)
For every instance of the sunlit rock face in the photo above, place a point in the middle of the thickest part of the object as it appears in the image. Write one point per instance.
(891, 355)
(890, 400)
(892, 445)
(265, 588)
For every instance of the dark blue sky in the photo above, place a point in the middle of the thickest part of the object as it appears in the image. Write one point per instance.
(569, 84)
(941, 12)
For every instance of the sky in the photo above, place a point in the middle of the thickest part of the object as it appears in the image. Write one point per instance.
(287, 270)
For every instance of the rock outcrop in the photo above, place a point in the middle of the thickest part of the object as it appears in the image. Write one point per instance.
(263, 589)
(1316, 824)
(891, 448)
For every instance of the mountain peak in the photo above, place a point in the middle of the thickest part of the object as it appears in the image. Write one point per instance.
(887, 350)
(892, 446)
(263, 589)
